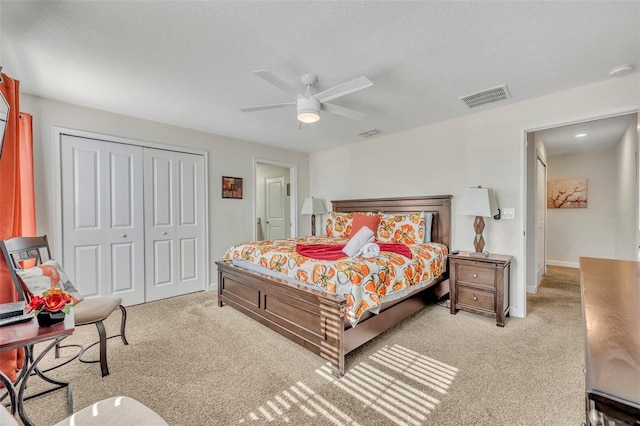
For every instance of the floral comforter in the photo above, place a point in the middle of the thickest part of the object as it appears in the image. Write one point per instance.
(362, 281)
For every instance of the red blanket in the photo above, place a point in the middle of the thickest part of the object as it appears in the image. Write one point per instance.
(334, 251)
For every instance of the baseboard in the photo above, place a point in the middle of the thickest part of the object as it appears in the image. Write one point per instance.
(563, 263)
(532, 289)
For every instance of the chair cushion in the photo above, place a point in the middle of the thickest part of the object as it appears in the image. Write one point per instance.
(94, 309)
(118, 410)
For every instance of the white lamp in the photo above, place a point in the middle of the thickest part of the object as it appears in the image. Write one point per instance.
(308, 110)
(313, 206)
(479, 202)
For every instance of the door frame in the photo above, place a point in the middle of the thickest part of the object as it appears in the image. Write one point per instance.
(520, 293)
(542, 160)
(57, 182)
(293, 199)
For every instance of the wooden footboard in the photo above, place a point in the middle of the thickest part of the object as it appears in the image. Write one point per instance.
(309, 317)
(312, 318)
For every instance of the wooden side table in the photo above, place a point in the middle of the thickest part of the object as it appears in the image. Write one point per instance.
(26, 335)
(480, 284)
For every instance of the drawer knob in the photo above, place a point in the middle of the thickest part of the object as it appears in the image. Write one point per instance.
(475, 298)
(475, 275)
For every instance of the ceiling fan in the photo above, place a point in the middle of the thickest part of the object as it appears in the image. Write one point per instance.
(309, 104)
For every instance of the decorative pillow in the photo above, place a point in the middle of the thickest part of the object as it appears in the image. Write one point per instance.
(339, 224)
(360, 220)
(404, 228)
(48, 275)
(428, 223)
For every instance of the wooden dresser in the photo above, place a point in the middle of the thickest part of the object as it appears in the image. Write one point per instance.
(611, 310)
(480, 284)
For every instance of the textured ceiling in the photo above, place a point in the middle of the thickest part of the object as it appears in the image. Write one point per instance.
(191, 64)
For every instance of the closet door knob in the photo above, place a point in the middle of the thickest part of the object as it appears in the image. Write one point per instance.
(164, 232)
(124, 235)
(475, 298)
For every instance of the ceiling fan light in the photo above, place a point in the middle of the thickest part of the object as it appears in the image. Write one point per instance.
(308, 116)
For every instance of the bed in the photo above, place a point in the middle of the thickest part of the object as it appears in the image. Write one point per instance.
(318, 320)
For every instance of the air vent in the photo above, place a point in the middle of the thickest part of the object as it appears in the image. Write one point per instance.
(486, 96)
(370, 133)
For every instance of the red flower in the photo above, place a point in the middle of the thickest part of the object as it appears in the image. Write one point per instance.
(36, 303)
(54, 303)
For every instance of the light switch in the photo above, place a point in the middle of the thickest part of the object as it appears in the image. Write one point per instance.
(508, 213)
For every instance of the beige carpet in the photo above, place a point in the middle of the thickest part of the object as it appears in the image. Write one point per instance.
(197, 364)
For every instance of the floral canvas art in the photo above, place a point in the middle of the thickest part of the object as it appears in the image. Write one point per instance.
(567, 193)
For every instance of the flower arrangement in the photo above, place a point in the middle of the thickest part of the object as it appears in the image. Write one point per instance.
(52, 300)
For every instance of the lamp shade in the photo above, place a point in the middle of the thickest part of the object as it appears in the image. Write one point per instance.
(478, 202)
(313, 206)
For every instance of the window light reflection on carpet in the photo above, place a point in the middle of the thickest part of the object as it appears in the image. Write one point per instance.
(396, 386)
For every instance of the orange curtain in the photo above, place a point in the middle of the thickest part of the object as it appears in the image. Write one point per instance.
(17, 215)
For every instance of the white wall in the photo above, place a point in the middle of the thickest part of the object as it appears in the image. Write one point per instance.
(572, 233)
(230, 220)
(485, 148)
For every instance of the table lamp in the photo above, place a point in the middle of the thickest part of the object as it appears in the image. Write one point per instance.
(479, 202)
(313, 206)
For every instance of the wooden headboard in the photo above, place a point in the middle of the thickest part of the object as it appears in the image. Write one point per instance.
(439, 205)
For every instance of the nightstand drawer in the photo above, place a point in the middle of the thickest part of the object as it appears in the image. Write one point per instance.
(477, 275)
(476, 298)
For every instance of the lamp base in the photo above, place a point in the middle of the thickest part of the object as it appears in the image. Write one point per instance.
(478, 241)
(313, 225)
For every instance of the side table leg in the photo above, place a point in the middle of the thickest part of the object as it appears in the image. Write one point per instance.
(8, 384)
(34, 368)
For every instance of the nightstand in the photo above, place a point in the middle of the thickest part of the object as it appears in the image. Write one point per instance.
(480, 284)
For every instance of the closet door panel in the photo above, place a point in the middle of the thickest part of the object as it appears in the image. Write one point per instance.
(82, 215)
(103, 231)
(190, 229)
(126, 223)
(174, 229)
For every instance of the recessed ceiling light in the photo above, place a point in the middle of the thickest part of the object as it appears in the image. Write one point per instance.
(581, 135)
(620, 70)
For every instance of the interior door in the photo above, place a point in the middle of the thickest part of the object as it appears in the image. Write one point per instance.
(102, 216)
(541, 214)
(174, 223)
(275, 209)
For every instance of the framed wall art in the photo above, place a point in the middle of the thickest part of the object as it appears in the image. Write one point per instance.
(231, 187)
(567, 193)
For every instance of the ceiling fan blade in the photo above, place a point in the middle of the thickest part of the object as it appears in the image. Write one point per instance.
(335, 109)
(343, 89)
(270, 106)
(270, 78)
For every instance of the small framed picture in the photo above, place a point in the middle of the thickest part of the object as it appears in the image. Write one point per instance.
(231, 187)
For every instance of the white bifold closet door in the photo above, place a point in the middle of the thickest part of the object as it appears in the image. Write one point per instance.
(102, 217)
(133, 219)
(174, 223)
